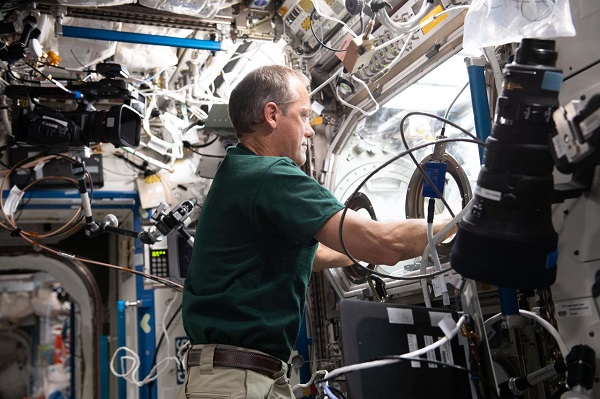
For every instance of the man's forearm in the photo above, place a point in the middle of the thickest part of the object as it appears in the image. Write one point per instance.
(327, 258)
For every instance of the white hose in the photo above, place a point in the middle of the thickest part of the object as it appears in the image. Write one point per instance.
(411, 355)
(436, 239)
(403, 27)
(564, 349)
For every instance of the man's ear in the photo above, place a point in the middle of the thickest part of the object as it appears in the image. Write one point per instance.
(270, 114)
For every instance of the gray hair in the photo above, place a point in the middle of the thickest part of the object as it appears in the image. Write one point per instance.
(271, 83)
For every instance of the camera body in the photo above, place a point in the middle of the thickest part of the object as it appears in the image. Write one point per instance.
(36, 122)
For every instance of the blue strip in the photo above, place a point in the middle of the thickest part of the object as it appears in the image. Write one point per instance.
(479, 101)
(146, 340)
(121, 341)
(552, 259)
(104, 367)
(509, 304)
(302, 344)
(141, 38)
(552, 81)
(72, 355)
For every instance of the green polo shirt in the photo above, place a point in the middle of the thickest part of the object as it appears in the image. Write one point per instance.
(253, 253)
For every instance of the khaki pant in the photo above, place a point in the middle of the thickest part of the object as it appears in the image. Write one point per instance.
(208, 382)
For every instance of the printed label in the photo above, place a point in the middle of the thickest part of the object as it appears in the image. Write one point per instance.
(430, 354)
(413, 345)
(438, 284)
(446, 353)
(400, 316)
(489, 194)
(574, 308)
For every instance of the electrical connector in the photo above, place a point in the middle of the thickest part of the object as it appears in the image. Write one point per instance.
(360, 51)
(436, 171)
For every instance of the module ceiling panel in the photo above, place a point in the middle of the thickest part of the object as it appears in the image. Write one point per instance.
(135, 13)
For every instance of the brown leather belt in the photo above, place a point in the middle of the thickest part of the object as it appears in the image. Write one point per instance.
(264, 364)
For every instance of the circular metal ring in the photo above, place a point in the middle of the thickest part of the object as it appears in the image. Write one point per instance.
(346, 87)
(415, 203)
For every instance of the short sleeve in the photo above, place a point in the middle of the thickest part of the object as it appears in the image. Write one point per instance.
(290, 202)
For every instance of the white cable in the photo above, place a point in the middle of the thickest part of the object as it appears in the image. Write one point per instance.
(312, 379)
(420, 26)
(328, 392)
(389, 42)
(355, 107)
(131, 374)
(490, 56)
(564, 349)
(424, 281)
(402, 27)
(492, 320)
(396, 59)
(325, 83)
(11, 203)
(436, 239)
(411, 355)
(318, 11)
(438, 265)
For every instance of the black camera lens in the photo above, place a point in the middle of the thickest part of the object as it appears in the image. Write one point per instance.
(507, 238)
(536, 52)
(120, 125)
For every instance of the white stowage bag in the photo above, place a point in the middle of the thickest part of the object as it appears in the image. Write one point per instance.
(496, 22)
(15, 305)
(45, 303)
(95, 3)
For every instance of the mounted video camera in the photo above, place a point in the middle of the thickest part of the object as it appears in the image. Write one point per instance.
(34, 122)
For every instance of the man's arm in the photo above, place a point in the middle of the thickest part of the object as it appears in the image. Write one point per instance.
(326, 258)
(379, 243)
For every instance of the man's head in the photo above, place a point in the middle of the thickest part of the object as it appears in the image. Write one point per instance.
(270, 108)
(260, 86)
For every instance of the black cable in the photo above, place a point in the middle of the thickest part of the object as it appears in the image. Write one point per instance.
(2, 149)
(373, 173)
(315, 35)
(143, 167)
(50, 65)
(79, 62)
(474, 376)
(418, 165)
(51, 80)
(399, 358)
(442, 119)
(37, 70)
(10, 72)
(63, 68)
(337, 392)
(201, 145)
(362, 23)
(452, 105)
(187, 145)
